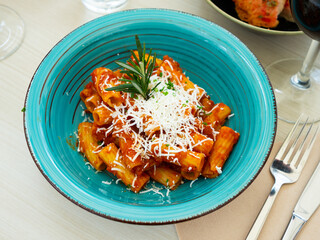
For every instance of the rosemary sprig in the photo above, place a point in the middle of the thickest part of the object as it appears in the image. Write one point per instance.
(139, 73)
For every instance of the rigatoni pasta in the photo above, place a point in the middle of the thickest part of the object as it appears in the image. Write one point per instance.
(112, 157)
(174, 133)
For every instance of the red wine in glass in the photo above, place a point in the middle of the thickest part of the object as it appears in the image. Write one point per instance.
(307, 15)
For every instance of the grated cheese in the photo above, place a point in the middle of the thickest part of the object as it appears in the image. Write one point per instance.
(193, 182)
(118, 180)
(107, 183)
(219, 169)
(168, 111)
(230, 115)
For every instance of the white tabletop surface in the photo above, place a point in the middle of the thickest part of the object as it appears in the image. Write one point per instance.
(30, 208)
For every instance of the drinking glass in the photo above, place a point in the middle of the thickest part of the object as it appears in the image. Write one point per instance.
(298, 91)
(104, 6)
(11, 31)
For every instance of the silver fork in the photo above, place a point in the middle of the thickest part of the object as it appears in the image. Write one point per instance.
(285, 171)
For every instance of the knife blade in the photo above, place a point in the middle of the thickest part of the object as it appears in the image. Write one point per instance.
(307, 204)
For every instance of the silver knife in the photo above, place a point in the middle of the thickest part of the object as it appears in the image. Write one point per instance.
(307, 204)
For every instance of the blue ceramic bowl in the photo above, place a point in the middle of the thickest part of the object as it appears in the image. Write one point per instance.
(212, 57)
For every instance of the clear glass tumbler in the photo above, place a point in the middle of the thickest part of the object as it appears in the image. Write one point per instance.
(104, 6)
(11, 31)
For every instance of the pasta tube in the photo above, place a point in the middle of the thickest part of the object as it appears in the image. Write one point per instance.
(189, 161)
(87, 91)
(166, 176)
(206, 103)
(128, 145)
(219, 113)
(113, 159)
(105, 78)
(202, 144)
(215, 119)
(92, 102)
(102, 115)
(222, 148)
(88, 145)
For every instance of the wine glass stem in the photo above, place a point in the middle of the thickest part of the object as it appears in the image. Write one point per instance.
(302, 78)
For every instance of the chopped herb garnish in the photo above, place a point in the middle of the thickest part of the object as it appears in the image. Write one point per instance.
(204, 123)
(160, 74)
(23, 109)
(167, 145)
(165, 93)
(184, 105)
(170, 85)
(199, 107)
(99, 142)
(139, 73)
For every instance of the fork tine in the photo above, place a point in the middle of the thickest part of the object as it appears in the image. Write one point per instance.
(308, 150)
(293, 146)
(287, 140)
(297, 155)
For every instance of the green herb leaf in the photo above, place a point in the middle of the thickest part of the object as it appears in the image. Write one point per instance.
(139, 72)
(127, 66)
(23, 109)
(124, 80)
(155, 89)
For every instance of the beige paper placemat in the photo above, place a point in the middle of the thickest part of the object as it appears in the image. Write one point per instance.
(233, 221)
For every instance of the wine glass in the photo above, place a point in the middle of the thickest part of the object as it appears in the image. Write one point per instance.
(11, 31)
(298, 91)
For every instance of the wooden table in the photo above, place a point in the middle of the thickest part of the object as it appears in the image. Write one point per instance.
(30, 207)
